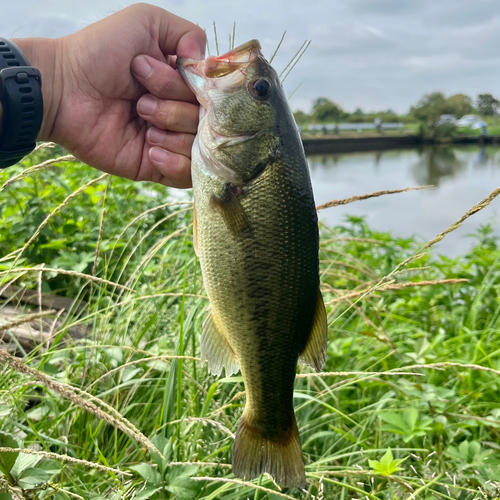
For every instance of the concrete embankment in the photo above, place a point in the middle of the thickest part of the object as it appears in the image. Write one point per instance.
(339, 144)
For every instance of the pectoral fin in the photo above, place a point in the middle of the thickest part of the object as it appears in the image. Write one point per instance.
(216, 348)
(229, 205)
(314, 355)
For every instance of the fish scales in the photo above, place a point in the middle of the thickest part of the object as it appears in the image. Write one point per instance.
(256, 283)
(257, 239)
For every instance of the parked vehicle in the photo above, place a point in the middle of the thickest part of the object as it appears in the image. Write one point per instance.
(479, 124)
(446, 119)
(468, 120)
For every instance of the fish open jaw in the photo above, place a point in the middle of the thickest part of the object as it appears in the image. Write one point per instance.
(226, 72)
(236, 59)
(217, 67)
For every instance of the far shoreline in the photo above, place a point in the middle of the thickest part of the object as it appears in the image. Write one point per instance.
(353, 142)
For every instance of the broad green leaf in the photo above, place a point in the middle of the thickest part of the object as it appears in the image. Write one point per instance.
(179, 484)
(148, 473)
(5, 410)
(39, 412)
(5, 496)
(25, 461)
(387, 458)
(387, 464)
(395, 420)
(421, 345)
(31, 478)
(164, 445)
(51, 467)
(181, 471)
(147, 492)
(411, 417)
(463, 450)
(474, 449)
(130, 373)
(7, 458)
(56, 245)
(184, 489)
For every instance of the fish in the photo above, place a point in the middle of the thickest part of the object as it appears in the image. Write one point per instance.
(257, 239)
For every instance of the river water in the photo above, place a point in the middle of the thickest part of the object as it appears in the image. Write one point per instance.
(461, 176)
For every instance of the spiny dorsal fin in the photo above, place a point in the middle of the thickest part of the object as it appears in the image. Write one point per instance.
(216, 348)
(195, 232)
(314, 355)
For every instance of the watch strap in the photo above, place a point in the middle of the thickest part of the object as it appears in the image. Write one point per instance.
(22, 103)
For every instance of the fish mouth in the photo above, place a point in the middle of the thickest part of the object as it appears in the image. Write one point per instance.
(234, 60)
(225, 72)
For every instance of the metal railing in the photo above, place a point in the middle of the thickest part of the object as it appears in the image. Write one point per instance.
(355, 127)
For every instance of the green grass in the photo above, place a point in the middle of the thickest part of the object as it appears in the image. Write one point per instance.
(441, 422)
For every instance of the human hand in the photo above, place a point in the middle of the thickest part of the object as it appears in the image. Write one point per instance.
(113, 97)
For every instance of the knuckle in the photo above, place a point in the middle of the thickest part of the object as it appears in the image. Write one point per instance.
(171, 114)
(186, 142)
(166, 86)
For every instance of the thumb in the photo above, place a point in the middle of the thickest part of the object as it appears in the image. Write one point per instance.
(179, 37)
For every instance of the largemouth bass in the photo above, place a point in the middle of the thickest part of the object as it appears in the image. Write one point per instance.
(256, 234)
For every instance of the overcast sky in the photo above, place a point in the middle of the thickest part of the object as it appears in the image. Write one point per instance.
(375, 54)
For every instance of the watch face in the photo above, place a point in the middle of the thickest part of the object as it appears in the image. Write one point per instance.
(22, 103)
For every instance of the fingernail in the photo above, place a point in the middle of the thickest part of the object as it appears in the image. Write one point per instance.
(158, 154)
(147, 105)
(156, 136)
(141, 67)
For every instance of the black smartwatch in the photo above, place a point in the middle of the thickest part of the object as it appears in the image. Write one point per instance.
(22, 103)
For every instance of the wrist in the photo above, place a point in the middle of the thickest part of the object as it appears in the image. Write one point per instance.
(41, 54)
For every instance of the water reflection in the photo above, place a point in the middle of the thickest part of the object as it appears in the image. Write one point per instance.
(436, 163)
(462, 176)
(483, 156)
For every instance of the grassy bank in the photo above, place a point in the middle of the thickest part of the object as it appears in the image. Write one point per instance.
(407, 406)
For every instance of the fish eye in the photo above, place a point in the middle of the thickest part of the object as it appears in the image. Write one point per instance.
(260, 88)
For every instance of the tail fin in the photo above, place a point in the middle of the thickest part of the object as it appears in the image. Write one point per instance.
(281, 457)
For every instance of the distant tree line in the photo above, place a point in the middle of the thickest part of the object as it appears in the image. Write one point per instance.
(427, 110)
(431, 107)
(435, 104)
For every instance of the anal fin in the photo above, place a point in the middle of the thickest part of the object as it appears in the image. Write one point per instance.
(216, 348)
(314, 355)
